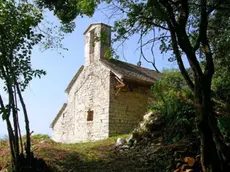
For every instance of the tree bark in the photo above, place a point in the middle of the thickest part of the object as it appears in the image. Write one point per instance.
(209, 155)
(28, 142)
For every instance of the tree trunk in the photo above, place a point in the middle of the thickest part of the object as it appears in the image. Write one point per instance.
(28, 142)
(209, 156)
(222, 148)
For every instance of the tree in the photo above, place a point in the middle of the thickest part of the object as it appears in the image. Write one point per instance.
(183, 27)
(17, 38)
(19, 33)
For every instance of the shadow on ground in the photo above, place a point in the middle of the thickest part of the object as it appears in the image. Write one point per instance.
(110, 160)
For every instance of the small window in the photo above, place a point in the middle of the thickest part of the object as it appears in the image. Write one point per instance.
(90, 115)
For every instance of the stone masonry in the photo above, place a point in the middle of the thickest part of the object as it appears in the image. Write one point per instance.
(103, 100)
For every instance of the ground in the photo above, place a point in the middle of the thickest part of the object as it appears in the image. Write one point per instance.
(100, 156)
(156, 150)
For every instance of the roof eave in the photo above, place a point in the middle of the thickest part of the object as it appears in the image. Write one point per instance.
(87, 29)
(58, 115)
(140, 81)
(74, 79)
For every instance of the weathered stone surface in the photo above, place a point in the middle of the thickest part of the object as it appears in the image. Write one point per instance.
(148, 116)
(127, 107)
(120, 142)
(112, 110)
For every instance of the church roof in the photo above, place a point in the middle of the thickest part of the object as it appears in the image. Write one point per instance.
(130, 72)
(125, 71)
(58, 115)
(103, 24)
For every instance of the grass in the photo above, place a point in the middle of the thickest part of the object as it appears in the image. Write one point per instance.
(74, 157)
(99, 156)
(4, 153)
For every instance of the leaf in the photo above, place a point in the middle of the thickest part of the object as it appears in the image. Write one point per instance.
(4, 113)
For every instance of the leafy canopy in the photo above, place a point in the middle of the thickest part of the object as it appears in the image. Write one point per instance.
(17, 38)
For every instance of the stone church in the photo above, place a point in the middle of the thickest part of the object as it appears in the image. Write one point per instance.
(106, 97)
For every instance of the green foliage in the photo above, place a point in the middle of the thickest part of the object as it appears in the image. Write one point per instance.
(19, 33)
(173, 102)
(67, 11)
(224, 125)
(221, 88)
(185, 29)
(41, 136)
(17, 40)
(220, 39)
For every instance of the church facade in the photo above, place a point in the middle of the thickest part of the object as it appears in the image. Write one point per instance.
(106, 97)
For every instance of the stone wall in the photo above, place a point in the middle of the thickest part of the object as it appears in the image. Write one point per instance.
(61, 129)
(127, 107)
(94, 93)
(90, 92)
(97, 42)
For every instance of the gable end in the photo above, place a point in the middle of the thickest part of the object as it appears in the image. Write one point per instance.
(58, 115)
(74, 79)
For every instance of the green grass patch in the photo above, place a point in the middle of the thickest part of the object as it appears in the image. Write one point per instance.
(83, 157)
(40, 136)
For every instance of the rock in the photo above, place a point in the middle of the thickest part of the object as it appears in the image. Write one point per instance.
(129, 138)
(148, 116)
(120, 142)
(142, 125)
(124, 147)
(43, 141)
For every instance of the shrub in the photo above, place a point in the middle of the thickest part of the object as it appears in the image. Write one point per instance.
(173, 102)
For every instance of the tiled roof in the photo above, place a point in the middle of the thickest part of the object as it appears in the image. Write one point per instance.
(127, 71)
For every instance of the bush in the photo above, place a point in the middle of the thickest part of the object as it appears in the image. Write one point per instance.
(173, 102)
(221, 88)
(224, 126)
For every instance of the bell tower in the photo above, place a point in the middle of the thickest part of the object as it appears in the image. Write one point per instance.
(97, 42)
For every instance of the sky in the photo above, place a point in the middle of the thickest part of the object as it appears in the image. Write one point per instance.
(44, 97)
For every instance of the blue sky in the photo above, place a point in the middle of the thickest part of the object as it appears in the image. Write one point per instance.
(44, 97)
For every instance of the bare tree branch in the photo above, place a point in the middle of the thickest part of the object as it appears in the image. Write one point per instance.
(179, 59)
(183, 15)
(202, 24)
(143, 55)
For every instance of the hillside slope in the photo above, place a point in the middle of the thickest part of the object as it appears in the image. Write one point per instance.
(151, 154)
(100, 156)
